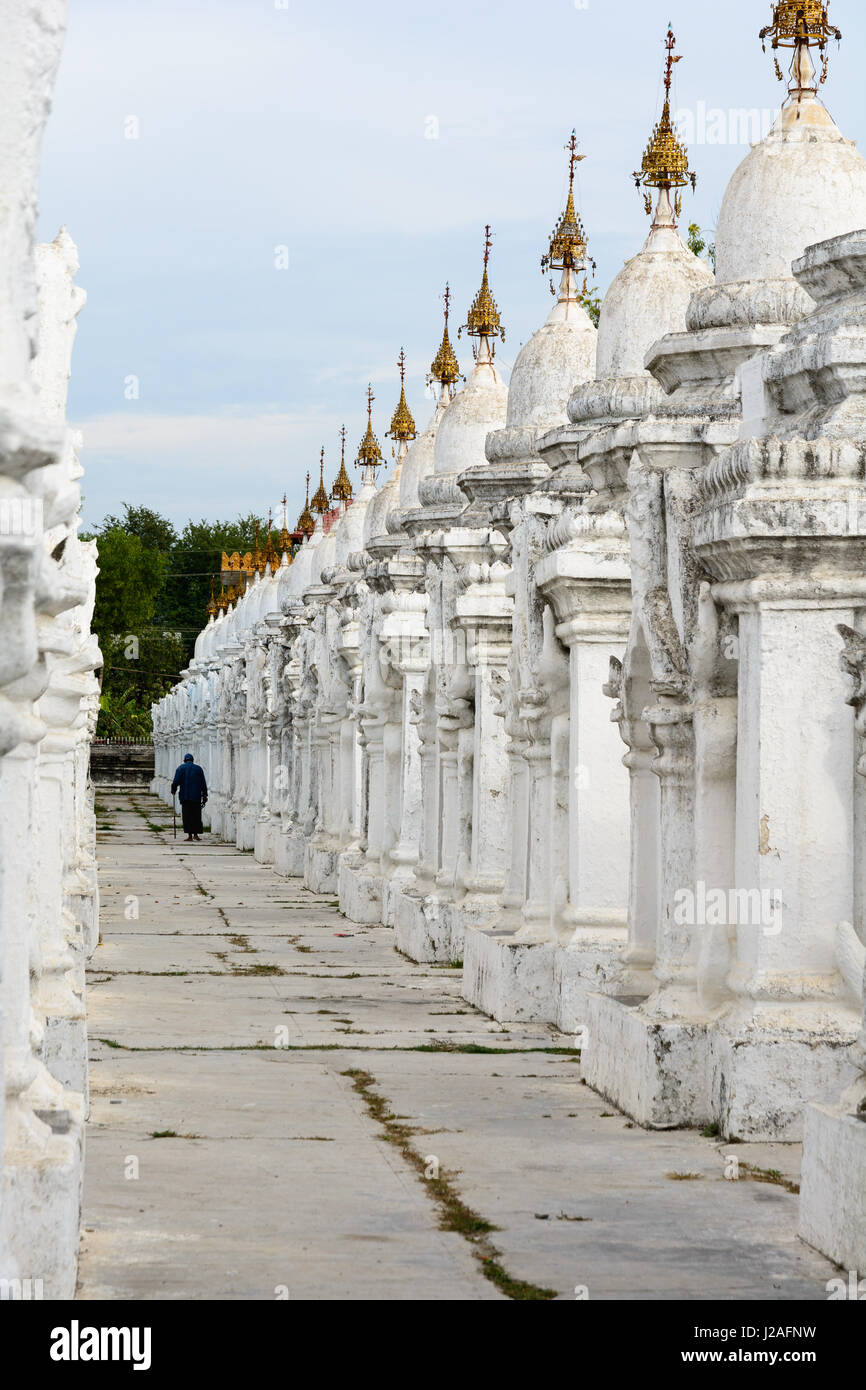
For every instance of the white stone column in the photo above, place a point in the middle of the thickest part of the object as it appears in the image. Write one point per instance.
(586, 579)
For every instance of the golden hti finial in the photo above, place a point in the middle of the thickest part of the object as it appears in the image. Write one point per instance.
(799, 24)
(665, 164)
(212, 609)
(483, 319)
(306, 525)
(342, 489)
(567, 250)
(269, 555)
(321, 502)
(369, 454)
(445, 368)
(402, 424)
(285, 534)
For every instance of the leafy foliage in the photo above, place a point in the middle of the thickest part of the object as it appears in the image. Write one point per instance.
(121, 716)
(151, 595)
(591, 301)
(698, 245)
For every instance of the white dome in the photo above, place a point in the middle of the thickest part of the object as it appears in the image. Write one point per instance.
(646, 300)
(268, 596)
(241, 614)
(474, 412)
(229, 626)
(418, 464)
(323, 555)
(299, 574)
(561, 353)
(802, 184)
(350, 531)
(284, 581)
(377, 512)
(212, 636)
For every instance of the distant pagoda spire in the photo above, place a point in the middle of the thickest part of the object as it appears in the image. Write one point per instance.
(285, 534)
(269, 555)
(321, 502)
(306, 525)
(445, 368)
(212, 608)
(483, 321)
(369, 454)
(402, 424)
(800, 24)
(665, 164)
(342, 489)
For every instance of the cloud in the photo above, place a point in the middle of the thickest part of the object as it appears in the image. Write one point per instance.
(235, 428)
(197, 465)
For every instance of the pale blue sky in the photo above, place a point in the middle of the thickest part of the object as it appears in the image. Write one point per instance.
(263, 125)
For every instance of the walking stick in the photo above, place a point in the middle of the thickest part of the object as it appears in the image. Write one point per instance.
(174, 812)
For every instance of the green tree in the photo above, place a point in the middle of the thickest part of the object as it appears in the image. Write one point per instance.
(194, 561)
(151, 599)
(698, 245)
(130, 580)
(153, 530)
(591, 301)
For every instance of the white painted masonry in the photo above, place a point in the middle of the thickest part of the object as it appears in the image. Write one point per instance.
(49, 697)
(656, 538)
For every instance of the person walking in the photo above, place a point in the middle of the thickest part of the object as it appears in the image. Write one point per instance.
(189, 780)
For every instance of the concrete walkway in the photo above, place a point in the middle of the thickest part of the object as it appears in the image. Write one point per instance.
(283, 1106)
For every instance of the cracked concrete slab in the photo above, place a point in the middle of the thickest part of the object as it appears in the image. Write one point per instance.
(271, 1175)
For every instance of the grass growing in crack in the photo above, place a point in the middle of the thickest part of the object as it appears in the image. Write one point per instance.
(454, 1214)
(257, 970)
(710, 1131)
(171, 1134)
(241, 943)
(684, 1177)
(306, 1047)
(771, 1175)
(482, 1050)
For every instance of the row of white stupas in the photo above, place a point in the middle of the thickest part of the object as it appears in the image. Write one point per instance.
(49, 697)
(654, 536)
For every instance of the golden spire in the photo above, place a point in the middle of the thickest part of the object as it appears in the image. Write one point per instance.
(567, 241)
(402, 425)
(483, 319)
(320, 502)
(211, 609)
(369, 453)
(342, 489)
(799, 24)
(445, 368)
(665, 164)
(285, 535)
(222, 601)
(306, 525)
(269, 554)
